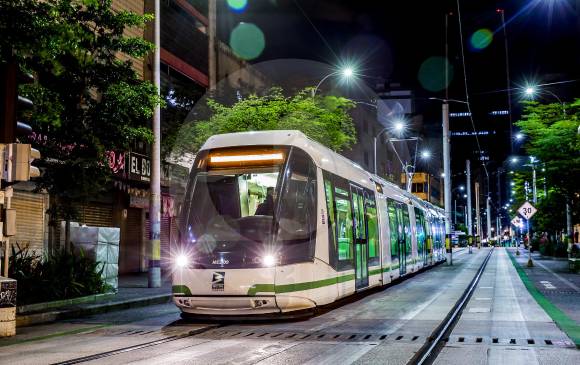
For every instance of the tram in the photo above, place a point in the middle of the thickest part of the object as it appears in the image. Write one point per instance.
(274, 222)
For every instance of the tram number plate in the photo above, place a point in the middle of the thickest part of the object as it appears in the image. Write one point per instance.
(217, 281)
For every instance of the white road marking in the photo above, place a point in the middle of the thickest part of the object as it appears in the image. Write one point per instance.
(547, 284)
(564, 280)
(482, 298)
(479, 310)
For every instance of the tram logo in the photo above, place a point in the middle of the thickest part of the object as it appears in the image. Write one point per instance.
(217, 281)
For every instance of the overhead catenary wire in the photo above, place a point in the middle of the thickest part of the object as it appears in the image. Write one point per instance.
(465, 85)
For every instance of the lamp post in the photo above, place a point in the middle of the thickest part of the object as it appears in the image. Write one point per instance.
(530, 91)
(399, 126)
(346, 72)
(447, 167)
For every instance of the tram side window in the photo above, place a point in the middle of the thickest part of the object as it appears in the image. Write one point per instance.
(407, 230)
(393, 228)
(297, 217)
(331, 219)
(420, 226)
(373, 228)
(344, 227)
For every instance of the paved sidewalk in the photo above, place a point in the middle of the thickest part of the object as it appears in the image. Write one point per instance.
(133, 292)
(554, 280)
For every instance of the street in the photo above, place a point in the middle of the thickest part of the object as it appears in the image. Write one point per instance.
(501, 324)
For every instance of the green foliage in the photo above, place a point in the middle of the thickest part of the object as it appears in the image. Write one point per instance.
(552, 137)
(87, 101)
(324, 119)
(60, 275)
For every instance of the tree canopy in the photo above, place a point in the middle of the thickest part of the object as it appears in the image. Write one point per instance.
(552, 137)
(324, 119)
(88, 99)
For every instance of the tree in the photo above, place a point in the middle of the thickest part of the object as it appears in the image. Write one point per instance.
(87, 100)
(553, 139)
(324, 119)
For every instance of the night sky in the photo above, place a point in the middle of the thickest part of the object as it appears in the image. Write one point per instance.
(393, 39)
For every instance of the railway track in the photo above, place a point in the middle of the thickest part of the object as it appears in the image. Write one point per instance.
(426, 354)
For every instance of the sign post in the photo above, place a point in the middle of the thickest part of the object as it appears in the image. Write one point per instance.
(527, 210)
(517, 222)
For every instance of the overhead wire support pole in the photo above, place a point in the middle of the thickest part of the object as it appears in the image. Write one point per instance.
(507, 71)
(154, 264)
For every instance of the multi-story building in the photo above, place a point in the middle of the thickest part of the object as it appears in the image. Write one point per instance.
(185, 68)
(425, 186)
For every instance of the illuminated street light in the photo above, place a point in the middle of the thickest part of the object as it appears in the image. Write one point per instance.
(519, 136)
(530, 91)
(514, 159)
(512, 183)
(346, 72)
(426, 154)
(399, 126)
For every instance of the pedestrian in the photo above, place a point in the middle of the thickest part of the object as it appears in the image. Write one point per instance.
(576, 237)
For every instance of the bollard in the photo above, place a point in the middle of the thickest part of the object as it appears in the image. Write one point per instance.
(7, 307)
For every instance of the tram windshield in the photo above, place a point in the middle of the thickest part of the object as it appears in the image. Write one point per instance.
(252, 214)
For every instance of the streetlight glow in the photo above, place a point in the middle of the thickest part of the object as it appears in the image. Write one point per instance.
(399, 126)
(426, 154)
(519, 136)
(514, 159)
(530, 91)
(347, 72)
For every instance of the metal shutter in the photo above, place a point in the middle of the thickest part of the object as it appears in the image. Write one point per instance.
(30, 220)
(97, 215)
(130, 248)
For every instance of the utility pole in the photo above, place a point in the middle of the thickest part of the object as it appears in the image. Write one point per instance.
(468, 172)
(488, 216)
(212, 45)
(477, 213)
(447, 178)
(154, 269)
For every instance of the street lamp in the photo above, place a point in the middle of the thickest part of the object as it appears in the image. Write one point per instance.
(531, 91)
(346, 73)
(398, 126)
(447, 167)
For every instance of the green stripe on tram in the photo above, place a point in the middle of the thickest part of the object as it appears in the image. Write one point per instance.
(181, 289)
(288, 288)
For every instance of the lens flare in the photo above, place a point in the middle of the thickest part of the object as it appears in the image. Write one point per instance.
(247, 41)
(238, 5)
(481, 39)
(269, 260)
(181, 261)
(432, 73)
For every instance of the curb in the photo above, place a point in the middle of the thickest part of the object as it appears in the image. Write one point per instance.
(37, 307)
(85, 310)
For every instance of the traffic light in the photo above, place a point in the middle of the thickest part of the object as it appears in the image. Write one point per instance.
(16, 158)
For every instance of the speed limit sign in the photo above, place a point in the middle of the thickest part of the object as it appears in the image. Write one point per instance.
(527, 210)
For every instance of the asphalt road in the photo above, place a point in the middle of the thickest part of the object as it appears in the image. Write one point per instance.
(383, 327)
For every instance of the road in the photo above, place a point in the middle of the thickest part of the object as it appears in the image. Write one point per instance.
(384, 327)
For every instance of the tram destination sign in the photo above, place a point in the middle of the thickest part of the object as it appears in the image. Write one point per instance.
(527, 210)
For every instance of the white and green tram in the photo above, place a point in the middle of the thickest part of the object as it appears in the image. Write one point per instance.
(274, 222)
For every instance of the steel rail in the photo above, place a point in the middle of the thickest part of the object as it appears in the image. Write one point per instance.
(430, 350)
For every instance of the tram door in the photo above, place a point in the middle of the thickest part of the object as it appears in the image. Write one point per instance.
(360, 234)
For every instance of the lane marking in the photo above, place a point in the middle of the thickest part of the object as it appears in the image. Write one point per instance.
(547, 284)
(479, 310)
(562, 279)
(482, 298)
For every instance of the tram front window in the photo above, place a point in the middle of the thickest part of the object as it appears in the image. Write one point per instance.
(239, 216)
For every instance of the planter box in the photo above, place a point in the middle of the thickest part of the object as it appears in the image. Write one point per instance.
(7, 307)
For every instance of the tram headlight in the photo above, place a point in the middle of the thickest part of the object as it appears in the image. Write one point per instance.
(181, 261)
(269, 260)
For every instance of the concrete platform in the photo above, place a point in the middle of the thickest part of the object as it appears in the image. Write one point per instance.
(503, 324)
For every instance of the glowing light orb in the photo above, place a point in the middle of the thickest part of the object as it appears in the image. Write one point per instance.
(238, 5)
(432, 73)
(247, 41)
(481, 39)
